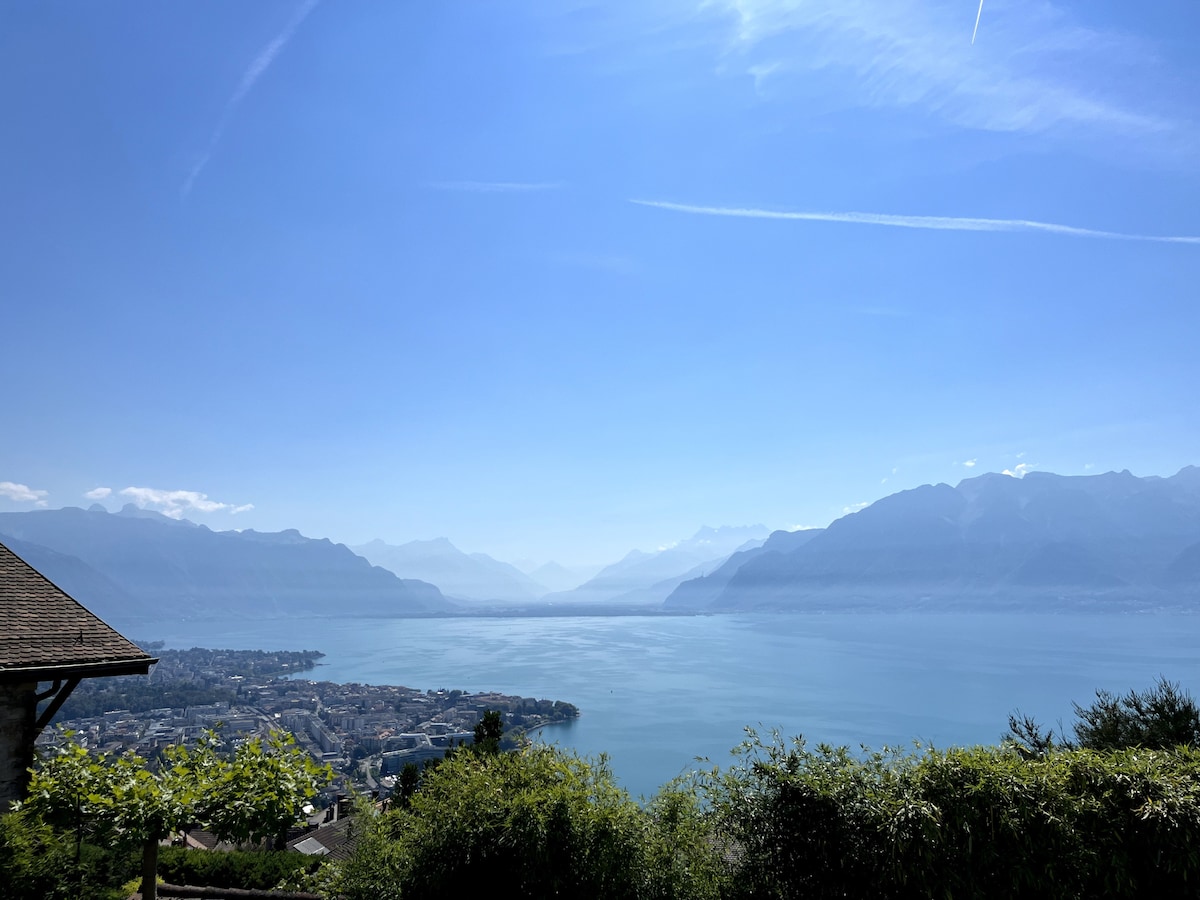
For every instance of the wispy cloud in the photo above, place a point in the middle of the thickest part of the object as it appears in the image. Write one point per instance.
(99, 493)
(970, 463)
(496, 187)
(175, 504)
(260, 65)
(1017, 471)
(1035, 66)
(22, 493)
(846, 510)
(935, 223)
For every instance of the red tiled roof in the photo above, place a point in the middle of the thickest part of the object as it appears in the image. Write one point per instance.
(42, 628)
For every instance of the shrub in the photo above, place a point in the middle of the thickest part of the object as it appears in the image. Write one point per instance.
(795, 822)
(1158, 718)
(254, 869)
(536, 823)
(963, 823)
(38, 862)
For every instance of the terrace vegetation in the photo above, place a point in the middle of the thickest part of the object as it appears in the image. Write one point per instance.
(1112, 811)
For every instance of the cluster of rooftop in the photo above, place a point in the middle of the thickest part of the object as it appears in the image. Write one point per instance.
(362, 730)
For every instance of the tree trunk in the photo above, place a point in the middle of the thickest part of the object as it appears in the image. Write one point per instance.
(150, 869)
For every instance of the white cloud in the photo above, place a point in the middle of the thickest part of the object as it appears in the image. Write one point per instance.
(496, 187)
(22, 493)
(1033, 67)
(846, 510)
(970, 463)
(935, 223)
(260, 65)
(175, 504)
(1017, 471)
(98, 493)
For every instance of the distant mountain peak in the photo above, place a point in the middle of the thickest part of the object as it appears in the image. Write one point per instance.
(133, 511)
(708, 533)
(474, 576)
(142, 563)
(1189, 476)
(1042, 539)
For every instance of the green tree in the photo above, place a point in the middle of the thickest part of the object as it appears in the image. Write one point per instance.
(976, 822)
(410, 779)
(38, 862)
(539, 822)
(1159, 718)
(252, 795)
(488, 732)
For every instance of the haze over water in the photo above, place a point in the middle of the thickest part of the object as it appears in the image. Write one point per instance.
(656, 692)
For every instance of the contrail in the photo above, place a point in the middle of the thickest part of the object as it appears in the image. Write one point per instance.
(977, 15)
(261, 63)
(936, 223)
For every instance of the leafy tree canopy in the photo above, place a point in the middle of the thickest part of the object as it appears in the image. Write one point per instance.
(1159, 718)
(489, 731)
(539, 822)
(254, 794)
(1162, 717)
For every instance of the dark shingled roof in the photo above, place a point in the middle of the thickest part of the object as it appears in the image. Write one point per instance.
(45, 634)
(335, 841)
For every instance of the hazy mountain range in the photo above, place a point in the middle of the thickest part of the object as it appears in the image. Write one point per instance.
(556, 577)
(137, 563)
(640, 578)
(474, 576)
(648, 578)
(1045, 540)
(992, 541)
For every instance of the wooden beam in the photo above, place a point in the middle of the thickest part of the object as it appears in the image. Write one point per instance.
(60, 694)
(49, 692)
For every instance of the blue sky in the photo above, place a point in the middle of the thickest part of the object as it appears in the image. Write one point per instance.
(517, 274)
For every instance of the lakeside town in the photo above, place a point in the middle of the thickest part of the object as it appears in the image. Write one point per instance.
(366, 733)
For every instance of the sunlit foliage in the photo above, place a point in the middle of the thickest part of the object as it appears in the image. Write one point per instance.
(252, 795)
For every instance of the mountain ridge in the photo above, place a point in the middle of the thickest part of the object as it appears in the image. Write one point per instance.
(1111, 537)
(466, 576)
(158, 563)
(640, 577)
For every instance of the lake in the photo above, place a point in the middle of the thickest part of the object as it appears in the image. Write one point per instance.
(657, 692)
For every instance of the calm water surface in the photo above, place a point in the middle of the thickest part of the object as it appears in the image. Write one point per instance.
(656, 693)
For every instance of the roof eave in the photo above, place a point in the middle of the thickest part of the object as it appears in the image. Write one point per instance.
(77, 670)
